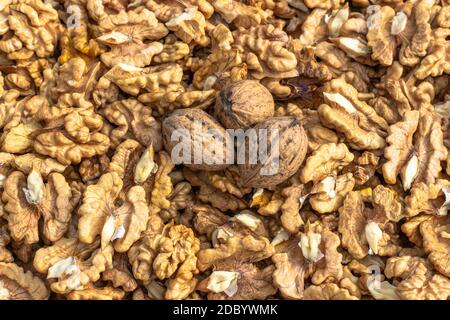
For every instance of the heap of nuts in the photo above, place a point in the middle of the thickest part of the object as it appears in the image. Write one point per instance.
(225, 149)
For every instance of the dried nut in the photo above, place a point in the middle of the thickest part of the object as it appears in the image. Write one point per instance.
(16, 284)
(285, 146)
(327, 160)
(243, 104)
(225, 149)
(195, 139)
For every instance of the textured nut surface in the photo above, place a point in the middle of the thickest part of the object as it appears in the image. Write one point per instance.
(139, 157)
(288, 136)
(243, 104)
(192, 130)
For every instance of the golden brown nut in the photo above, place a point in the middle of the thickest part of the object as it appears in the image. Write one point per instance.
(126, 32)
(189, 26)
(381, 22)
(327, 291)
(327, 160)
(236, 276)
(73, 263)
(100, 215)
(243, 104)
(208, 193)
(16, 284)
(133, 120)
(106, 293)
(436, 242)
(283, 133)
(328, 195)
(415, 149)
(120, 274)
(28, 198)
(365, 232)
(417, 279)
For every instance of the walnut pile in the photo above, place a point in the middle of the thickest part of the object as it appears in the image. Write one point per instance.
(99, 100)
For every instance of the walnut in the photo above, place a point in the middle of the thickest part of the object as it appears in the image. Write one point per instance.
(125, 34)
(76, 139)
(196, 129)
(120, 275)
(224, 149)
(244, 104)
(238, 255)
(414, 141)
(28, 198)
(100, 215)
(291, 141)
(381, 38)
(106, 293)
(417, 279)
(327, 291)
(16, 284)
(325, 161)
(189, 26)
(133, 120)
(366, 231)
(436, 241)
(210, 194)
(74, 264)
(328, 194)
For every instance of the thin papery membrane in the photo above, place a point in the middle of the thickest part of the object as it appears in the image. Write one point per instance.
(115, 38)
(383, 290)
(329, 186)
(34, 192)
(219, 234)
(145, 166)
(60, 268)
(248, 220)
(309, 244)
(399, 23)
(373, 235)
(443, 210)
(4, 293)
(223, 281)
(280, 237)
(186, 15)
(409, 172)
(110, 232)
(341, 101)
(355, 45)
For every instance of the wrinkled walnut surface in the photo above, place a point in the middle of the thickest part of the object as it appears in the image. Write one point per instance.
(95, 205)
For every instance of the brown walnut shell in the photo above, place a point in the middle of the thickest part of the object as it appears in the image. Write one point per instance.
(243, 104)
(179, 130)
(292, 147)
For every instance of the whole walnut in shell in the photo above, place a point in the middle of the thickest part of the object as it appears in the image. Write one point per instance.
(243, 104)
(195, 139)
(283, 155)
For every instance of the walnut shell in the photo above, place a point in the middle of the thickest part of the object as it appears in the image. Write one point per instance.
(243, 104)
(184, 125)
(293, 144)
